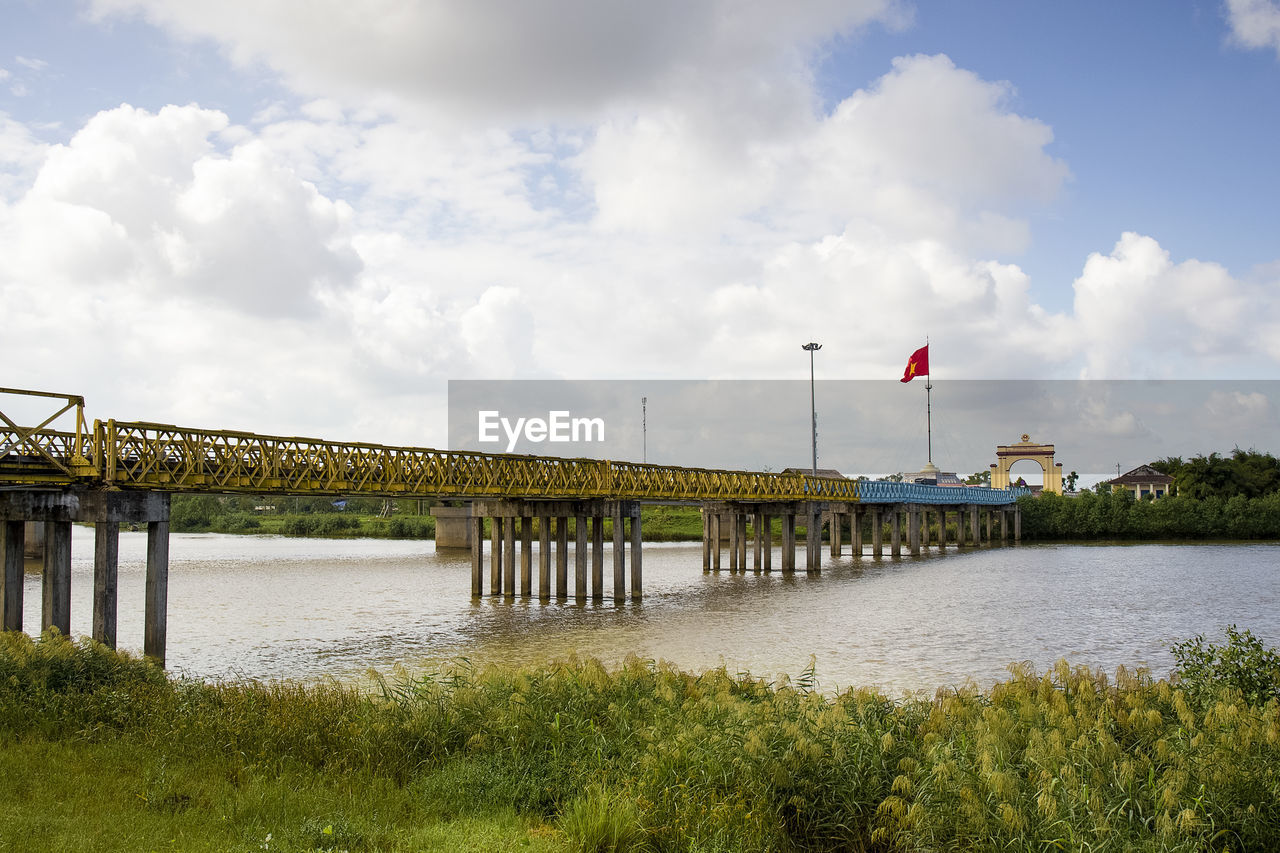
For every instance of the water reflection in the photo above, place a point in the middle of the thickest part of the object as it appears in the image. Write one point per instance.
(274, 607)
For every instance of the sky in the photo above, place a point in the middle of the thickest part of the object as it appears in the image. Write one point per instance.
(306, 218)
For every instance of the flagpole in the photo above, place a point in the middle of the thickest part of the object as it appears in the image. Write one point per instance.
(928, 407)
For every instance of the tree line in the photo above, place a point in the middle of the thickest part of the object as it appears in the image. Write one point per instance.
(1215, 496)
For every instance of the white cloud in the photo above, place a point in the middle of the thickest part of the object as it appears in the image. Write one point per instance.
(1138, 313)
(930, 150)
(1255, 23)
(20, 156)
(548, 59)
(147, 201)
(322, 268)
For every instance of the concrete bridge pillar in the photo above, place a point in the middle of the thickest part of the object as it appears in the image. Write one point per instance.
(495, 555)
(1017, 524)
(735, 535)
(987, 515)
(757, 539)
(477, 555)
(562, 556)
(453, 526)
(55, 610)
(526, 555)
(580, 556)
(895, 530)
(789, 542)
(715, 542)
(706, 540)
(855, 532)
(742, 540)
(597, 558)
(913, 529)
(619, 555)
(12, 536)
(877, 534)
(813, 538)
(509, 557)
(106, 560)
(544, 557)
(767, 544)
(835, 532)
(637, 573)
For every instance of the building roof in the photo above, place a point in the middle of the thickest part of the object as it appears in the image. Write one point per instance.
(1142, 475)
(822, 472)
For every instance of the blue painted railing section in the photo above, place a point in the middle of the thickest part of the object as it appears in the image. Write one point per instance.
(890, 492)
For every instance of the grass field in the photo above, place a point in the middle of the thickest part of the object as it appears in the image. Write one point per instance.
(99, 751)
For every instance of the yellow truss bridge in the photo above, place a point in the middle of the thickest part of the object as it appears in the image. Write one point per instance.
(160, 457)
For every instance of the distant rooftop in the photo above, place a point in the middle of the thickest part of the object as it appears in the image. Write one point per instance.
(822, 472)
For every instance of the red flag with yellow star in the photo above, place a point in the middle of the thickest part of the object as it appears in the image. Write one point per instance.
(918, 364)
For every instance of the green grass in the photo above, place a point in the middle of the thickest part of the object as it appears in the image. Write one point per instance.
(100, 751)
(73, 795)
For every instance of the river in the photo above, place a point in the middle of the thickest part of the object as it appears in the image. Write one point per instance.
(272, 607)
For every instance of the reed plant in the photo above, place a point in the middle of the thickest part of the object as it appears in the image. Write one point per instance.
(647, 757)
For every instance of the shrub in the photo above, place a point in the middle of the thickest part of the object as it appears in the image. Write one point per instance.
(1243, 663)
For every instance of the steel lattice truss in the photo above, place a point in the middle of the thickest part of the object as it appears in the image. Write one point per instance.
(126, 455)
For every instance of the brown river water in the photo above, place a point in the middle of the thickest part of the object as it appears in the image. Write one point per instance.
(272, 607)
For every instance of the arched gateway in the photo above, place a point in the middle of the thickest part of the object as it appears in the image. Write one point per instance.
(1008, 454)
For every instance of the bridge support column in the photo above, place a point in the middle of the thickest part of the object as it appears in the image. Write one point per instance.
(106, 571)
(913, 530)
(544, 557)
(1004, 526)
(834, 534)
(813, 539)
(877, 534)
(789, 542)
(56, 610)
(526, 556)
(509, 557)
(619, 554)
(477, 555)
(1017, 524)
(757, 539)
(706, 540)
(580, 557)
(597, 558)
(715, 542)
(156, 612)
(987, 517)
(973, 525)
(735, 533)
(855, 533)
(495, 555)
(742, 540)
(12, 536)
(562, 557)
(895, 531)
(766, 523)
(637, 573)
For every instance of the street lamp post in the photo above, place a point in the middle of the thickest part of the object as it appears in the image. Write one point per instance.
(813, 404)
(644, 427)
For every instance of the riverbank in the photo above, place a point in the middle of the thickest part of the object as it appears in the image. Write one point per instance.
(202, 514)
(574, 757)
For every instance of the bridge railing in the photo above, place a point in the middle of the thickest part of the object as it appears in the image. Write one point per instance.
(40, 453)
(160, 456)
(889, 491)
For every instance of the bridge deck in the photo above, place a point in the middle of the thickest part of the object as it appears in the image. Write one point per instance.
(161, 457)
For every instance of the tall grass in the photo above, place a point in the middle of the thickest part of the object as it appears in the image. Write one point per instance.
(648, 757)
